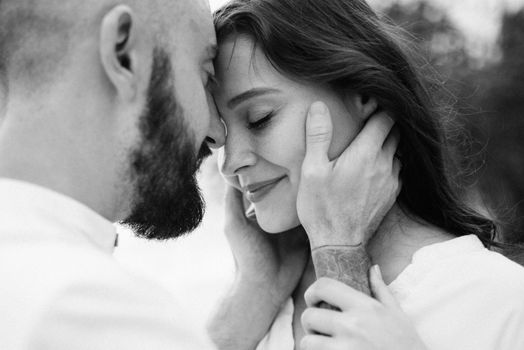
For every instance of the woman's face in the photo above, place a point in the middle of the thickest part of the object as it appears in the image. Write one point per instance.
(265, 115)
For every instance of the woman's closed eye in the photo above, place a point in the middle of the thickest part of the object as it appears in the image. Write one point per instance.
(261, 123)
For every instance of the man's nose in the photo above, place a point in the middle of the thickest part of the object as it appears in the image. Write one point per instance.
(216, 137)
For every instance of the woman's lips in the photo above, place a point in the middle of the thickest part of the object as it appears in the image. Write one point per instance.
(257, 191)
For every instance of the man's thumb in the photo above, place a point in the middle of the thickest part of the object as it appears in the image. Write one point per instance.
(319, 130)
(380, 289)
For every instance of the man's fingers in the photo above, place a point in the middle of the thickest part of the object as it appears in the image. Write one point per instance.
(391, 144)
(399, 187)
(380, 290)
(397, 167)
(319, 131)
(375, 132)
(334, 293)
(319, 321)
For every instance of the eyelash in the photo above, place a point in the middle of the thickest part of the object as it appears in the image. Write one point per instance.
(261, 123)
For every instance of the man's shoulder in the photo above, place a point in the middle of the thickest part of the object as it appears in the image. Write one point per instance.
(58, 293)
(54, 267)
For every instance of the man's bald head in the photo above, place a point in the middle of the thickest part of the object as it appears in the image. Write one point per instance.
(37, 37)
(108, 101)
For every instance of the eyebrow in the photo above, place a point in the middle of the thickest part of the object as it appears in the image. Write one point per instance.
(249, 94)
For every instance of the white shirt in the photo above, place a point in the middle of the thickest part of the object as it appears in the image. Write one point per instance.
(459, 295)
(61, 289)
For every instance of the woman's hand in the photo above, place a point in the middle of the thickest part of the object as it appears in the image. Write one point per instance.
(342, 202)
(362, 323)
(275, 262)
(269, 268)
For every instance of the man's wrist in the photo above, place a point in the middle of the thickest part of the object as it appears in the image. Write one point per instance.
(331, 237)
(346, 263)
(349, 247)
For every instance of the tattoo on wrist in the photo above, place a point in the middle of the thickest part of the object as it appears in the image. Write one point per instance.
(347, 264)
(337, 246)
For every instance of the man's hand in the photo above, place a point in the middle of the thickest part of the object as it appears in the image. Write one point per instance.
(342, 202)
(362, 323)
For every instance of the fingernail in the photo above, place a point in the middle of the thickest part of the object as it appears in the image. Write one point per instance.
(392, 121)
(377, 271)
(250, 212)
(318, 108)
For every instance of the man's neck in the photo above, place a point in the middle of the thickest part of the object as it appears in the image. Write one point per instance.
(33, 154)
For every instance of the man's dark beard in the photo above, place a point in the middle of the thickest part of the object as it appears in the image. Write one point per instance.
(167, 201)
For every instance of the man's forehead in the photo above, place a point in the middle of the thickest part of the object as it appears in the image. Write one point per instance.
(194, 21)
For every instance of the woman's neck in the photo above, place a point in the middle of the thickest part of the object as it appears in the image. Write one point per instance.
(392, 247)
(397, 239)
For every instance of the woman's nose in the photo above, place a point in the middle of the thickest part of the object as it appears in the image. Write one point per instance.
(238, 154)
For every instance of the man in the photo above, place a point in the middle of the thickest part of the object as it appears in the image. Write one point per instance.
(105, 112)
(106, 118)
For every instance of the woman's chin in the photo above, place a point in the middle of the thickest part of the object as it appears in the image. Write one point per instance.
(275, 226)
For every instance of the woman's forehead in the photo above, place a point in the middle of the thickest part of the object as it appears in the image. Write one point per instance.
(241, 54)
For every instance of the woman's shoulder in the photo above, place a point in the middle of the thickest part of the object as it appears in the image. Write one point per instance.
(473, 296)
(462, 265)
(480, 262)
(495, 270)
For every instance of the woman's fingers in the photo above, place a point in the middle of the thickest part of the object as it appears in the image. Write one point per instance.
(320, 321)
(380, 290)
(318, 342)
(334, 293)
(234, 203)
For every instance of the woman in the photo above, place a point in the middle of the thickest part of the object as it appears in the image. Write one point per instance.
(276, 58)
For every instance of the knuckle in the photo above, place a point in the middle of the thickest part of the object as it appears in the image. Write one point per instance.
(373, 308)
(308, 171)
(315, 290)
(309, 294)
(318, 134)
(351, 325)
(313, 172)
(345, 327)
(323, 282)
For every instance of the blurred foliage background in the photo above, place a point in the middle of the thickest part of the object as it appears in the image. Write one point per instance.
(484, 97)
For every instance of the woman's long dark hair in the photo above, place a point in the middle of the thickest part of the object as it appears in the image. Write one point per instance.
(345, 45)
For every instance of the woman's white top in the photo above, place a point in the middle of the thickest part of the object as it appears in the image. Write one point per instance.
(458, 294)
(61, 288)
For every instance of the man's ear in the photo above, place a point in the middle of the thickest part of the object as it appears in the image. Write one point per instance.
(120, 51)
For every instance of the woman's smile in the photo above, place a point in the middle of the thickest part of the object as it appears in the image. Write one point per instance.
(256, 192)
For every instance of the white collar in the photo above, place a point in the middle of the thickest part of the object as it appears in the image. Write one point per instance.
(24, 204)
